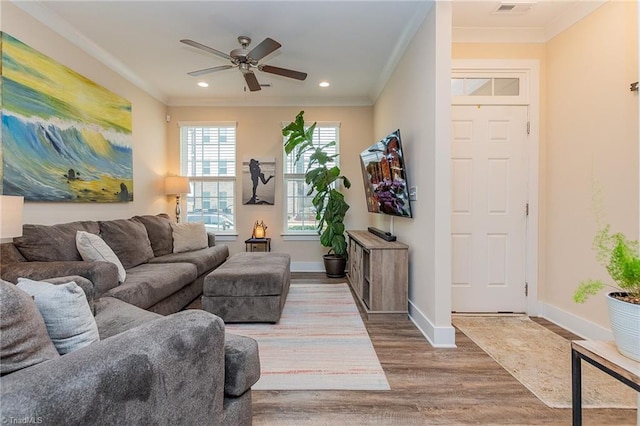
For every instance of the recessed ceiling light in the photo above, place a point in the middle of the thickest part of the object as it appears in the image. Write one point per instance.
(203, 84)
(324, 84)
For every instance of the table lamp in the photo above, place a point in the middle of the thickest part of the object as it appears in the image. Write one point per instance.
(177, 185)
(259, 230)
(10, 216)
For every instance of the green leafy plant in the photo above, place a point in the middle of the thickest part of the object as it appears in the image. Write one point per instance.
(621, 258)
(329, 202)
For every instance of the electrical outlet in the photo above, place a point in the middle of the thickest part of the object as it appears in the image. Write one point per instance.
(413, 193)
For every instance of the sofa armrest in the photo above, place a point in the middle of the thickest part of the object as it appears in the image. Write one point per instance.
(103, 275)
(211, 238)
(168, 371)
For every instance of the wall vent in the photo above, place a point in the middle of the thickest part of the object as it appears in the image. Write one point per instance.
(513, 8)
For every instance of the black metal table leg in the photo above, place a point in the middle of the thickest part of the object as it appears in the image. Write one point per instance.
(576, 387)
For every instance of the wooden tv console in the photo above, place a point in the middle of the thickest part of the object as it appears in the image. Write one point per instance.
(378, 273)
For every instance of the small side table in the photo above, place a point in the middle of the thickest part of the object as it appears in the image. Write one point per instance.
(604, 356)
(258, 244)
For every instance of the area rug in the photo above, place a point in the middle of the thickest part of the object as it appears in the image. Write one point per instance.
(541, 360)
(320, 343)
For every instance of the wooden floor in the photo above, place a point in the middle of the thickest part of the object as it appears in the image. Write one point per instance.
(428, 387)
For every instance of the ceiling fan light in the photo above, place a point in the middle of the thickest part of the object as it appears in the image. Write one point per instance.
(324, 84)
(203, 84)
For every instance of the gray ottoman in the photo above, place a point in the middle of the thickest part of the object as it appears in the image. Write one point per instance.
(248, 287)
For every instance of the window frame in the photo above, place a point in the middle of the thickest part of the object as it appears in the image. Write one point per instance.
(305, 234)
(195, 179)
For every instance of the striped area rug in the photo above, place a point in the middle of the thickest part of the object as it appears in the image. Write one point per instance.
(320, 343)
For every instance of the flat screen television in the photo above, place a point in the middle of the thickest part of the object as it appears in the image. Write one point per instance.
(385, 177)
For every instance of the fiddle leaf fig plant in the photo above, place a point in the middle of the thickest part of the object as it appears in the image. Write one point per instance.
(621, 258)
(329, 202)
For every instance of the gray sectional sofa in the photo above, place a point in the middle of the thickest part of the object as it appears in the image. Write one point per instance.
(147, 368)
(157, 279)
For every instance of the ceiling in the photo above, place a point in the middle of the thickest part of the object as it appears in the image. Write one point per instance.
(354, 45)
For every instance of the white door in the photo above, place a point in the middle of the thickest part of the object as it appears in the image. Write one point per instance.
(488, 207)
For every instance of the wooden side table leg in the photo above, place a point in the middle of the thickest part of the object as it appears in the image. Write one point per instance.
(576, 388)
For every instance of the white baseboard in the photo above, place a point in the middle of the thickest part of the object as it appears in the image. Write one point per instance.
(307, 267)
(575, 324)
(438, 337)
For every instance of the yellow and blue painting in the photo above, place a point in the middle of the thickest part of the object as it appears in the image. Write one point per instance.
(64, 137)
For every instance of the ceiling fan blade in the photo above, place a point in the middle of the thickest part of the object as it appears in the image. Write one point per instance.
(283, 72)
(206, 48)
(209, 70)
(252, 81)
(267, 46)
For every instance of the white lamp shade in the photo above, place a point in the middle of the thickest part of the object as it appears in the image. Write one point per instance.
(175, 185)
(11, 216)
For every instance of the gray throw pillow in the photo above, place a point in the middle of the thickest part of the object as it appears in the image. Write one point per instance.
(50, 243)
(159, 231)
(66, 313)
(25, 341)
(128, 239)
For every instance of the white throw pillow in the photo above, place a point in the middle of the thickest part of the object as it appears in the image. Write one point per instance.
(189, 236)
(92, 248)
(66, 313)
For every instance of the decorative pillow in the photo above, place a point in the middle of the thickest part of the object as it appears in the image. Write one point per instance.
(128, 239)
(189, 236)
(66, 313)
(50, 243)
(159, 231)
(25, 341)
(92, 248)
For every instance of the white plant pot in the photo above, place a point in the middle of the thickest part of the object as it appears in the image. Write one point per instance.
(625, 324)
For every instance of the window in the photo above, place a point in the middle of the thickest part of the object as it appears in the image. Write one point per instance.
(300, 215)
(208, 158)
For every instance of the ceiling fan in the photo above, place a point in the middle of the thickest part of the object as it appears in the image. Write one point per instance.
(245, 60)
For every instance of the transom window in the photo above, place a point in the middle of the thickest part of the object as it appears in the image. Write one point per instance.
(300, 215)
(208, 158)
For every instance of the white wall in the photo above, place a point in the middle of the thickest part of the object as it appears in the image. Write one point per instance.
(149, 127)
(417, 100)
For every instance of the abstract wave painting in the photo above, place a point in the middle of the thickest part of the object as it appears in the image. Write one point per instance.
(64, 137)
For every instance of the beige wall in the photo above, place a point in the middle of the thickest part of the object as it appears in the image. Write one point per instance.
(588, 133)
(592, 139)
(259, 133)
(149, 127)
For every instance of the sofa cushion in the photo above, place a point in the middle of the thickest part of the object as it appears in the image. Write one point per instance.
(114, 316)
(159, 231)
(25, 341)
(48, 243)
(92, 248)
(128, 239)
(189, 236)
(204, 259)
(66, 313)
(148, 284)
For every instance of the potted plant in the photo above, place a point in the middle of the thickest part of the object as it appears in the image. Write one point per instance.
(329, 203)
(621, 258)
